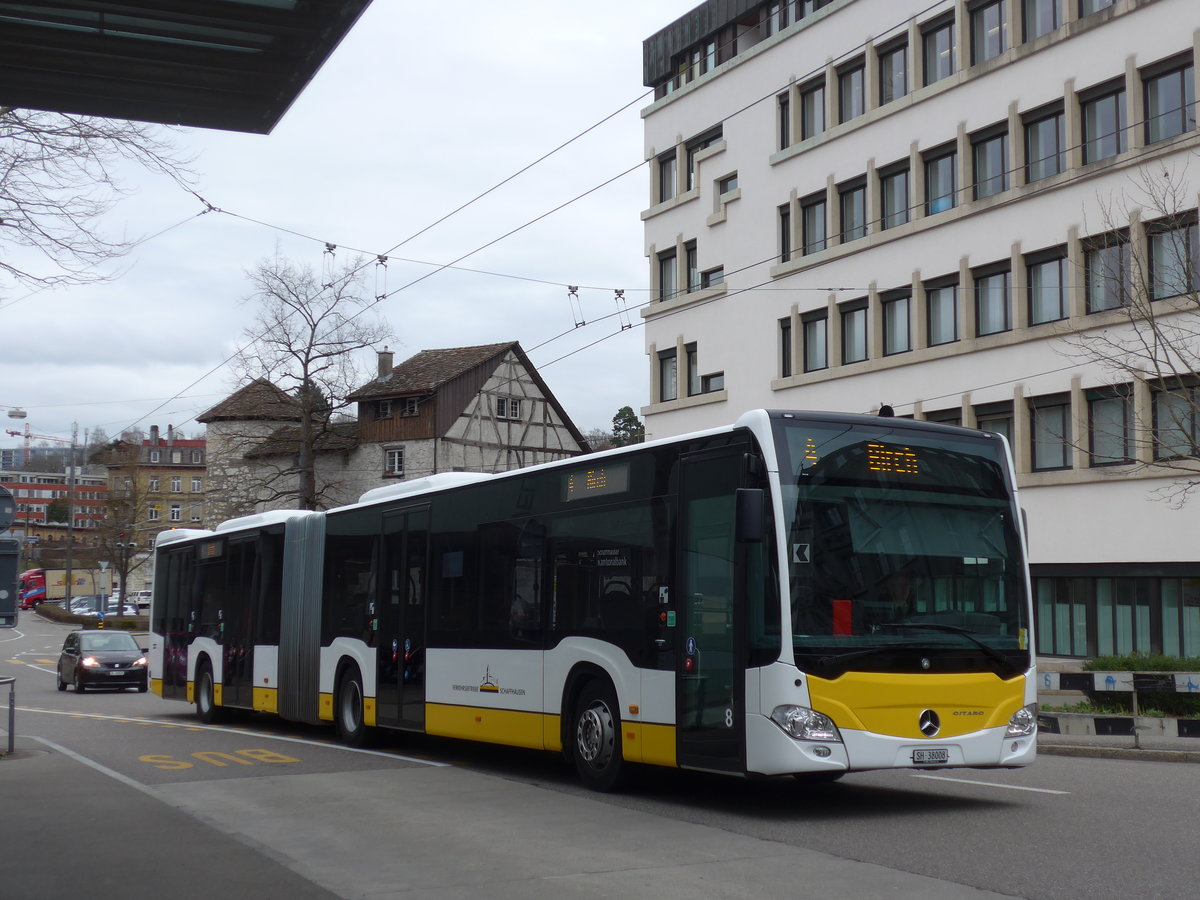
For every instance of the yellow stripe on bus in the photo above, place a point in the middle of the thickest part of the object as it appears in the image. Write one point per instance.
(493, 726)
(646, 742)
(156, 686)
(892, 704)
(325, 707)
(266, 700)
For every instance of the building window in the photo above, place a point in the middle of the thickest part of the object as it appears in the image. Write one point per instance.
(152, 513)
(176, 457)
(942, 304)
(197, 485)
(893, 196)
(1170, 104)
(508, 408)
(1041, 17)
(1047, 273)
(1104, 125)
(1045, 146)
(1050, 431)
(668, 376)
(854, 331)
(1174, 258)
(176, 484)
(176, 512)
(852, 95)
(155, 456)
(937, 42)
(712, 383)
(945, 416)
(691, 265)
(727, 185)
(785, 348)
(712, 277)
(854, 211)
(197, 457)
(992, 307)
(785, 121)
(813, 220)
(383, 409)
(668, 285)
(939, 183)
(692, 366)
(893, 72)
(153, 485)
(1110, 426)
(667, 176)
(989, 153)
(988, 31)
(393, 462)
(1176, 422)
(1087, 7)
(410, 406)
(897, 328)
(812, 110)
(694, 147)
(1107, 278)
(195, 513)
(816, 341)
(996, 418)
(785, 232)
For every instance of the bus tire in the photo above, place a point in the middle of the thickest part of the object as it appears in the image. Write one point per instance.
(206, 700)
(348, 710)
(596, 738)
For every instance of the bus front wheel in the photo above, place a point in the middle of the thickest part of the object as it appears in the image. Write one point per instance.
(596, 738)
(348, 712)
(206, 702)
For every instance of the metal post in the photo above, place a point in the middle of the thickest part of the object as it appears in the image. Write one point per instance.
(12, 710)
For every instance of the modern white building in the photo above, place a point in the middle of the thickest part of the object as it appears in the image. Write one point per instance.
(950, 208)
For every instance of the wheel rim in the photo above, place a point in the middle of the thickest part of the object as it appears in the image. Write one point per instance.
(350, 708)
(595, 735)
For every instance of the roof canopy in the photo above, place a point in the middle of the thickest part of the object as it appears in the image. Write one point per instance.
(235, 65)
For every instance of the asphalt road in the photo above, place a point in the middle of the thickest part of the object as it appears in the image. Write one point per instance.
(134, 793)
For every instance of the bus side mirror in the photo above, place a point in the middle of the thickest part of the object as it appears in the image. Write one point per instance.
(749, 515)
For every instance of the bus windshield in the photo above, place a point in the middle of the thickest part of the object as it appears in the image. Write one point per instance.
(904, 549)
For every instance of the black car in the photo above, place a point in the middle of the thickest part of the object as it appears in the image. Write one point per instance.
(106, 659)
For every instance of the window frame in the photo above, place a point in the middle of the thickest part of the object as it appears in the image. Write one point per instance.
(852, 91)
(983, 47)
(1155, 231)
(1183, 69)
(890, 218)
(982, 149)
(1034, 126)
(1037, 262)
(392, 456)
(889, 304)
(809, 245)
(815, 326)
(936, 287)
(893, 78)
(934, 159)
(1107, 395)
(1062, 442)
(985, 279)
(813, 118)
(856, 342)
(1029, 13)
(1118, 137)
(932, 68)
(852, 198)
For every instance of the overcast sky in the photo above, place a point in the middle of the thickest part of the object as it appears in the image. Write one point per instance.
(420, 109)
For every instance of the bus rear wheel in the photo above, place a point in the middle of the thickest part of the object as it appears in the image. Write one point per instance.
(596, 738)
(348, 710)
(206, 702)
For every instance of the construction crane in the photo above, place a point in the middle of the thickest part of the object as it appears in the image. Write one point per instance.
(29, 436)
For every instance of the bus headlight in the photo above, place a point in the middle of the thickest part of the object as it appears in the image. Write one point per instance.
(805, 724)
(1023, 722)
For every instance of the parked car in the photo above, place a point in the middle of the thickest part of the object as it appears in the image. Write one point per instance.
(86, 603)
(105, 659)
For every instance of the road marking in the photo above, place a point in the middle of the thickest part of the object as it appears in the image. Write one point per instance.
(992, 784)
(331, 745)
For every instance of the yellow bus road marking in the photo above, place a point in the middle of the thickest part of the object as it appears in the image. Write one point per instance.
(992, 784)
(327, 744)
(217, 758)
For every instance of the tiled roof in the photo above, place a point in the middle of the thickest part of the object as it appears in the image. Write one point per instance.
(342, 437)
(429, 370)
(260, 400)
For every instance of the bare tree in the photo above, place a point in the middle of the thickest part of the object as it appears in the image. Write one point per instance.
(59, 174)
(1142, 279)
(125, 537)
(304, 340)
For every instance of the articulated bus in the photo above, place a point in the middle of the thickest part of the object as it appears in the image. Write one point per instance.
(800, 593)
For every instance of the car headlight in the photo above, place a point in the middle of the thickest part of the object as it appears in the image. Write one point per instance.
(140, 661)
(89, 661)
(1023, 722)
(805, 724)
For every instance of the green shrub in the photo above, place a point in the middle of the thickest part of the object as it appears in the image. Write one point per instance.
(1185, 706)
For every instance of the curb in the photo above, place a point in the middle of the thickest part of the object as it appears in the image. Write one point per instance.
(1094, 752)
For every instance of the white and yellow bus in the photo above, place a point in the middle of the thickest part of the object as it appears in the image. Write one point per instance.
(800, 593)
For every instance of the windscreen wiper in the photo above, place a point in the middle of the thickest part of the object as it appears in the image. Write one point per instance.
(988, 649)
(870, 651)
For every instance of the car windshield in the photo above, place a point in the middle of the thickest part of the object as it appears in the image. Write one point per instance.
(904, 544)
(112, 640)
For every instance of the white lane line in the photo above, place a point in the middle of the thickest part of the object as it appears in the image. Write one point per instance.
(992, 784)
(258, 734)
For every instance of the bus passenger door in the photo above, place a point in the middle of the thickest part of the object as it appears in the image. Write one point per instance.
(400, 636)
(710, 681)
(237, 625)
